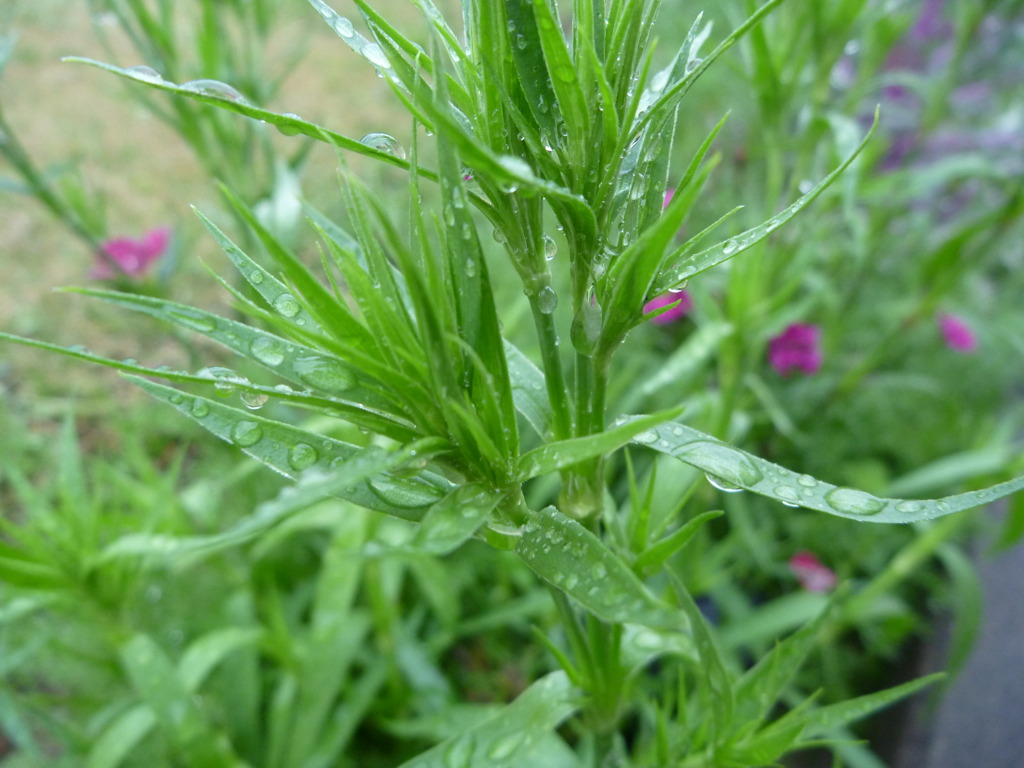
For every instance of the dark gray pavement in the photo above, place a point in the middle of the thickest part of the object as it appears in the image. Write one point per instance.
(980, 721)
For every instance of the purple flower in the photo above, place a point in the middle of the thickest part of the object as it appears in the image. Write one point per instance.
(796, 348)
(958, 335)
(811, 573)
(133, 257)
(929, 24)
(671, 315)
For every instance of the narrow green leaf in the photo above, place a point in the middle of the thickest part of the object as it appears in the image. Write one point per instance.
(529, 392)
(290, 450)
(308, 367)
(711, 665)
(680, 268)
(565, 453)
(761, 686)
(453, 520)
(116, 742)
(745, 470)
(518, 735)
(655, 556)
(825, 719)
(274, 292)
(286, 123)
(562, 75)
(524, 41)
(574, 560)
(207, 652)
(179, 717)
(356, 412)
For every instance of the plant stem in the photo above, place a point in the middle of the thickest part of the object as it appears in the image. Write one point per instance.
(554, 376)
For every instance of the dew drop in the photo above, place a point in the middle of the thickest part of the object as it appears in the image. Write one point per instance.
(224, 379)
(505, 746)
(323, 374)
(648, 640)
(402, 495)
(854, 502)
(267, 350)
(302, 456)
(599, 571)
(246, 433)
(909, 506)
(645, 437)
(729, 247)
(376, 56)
(255, 277)
(515, 166)
(214, 88)
(254, 400)
(288, 129)
(785, 493)
(200, 408)
(807, 481)
(460, 753)
(721, 461)
(287, 305)
(142, 72)
(342, 26)
(177, 398)
(550, 248)
(384, 142)
(722, 485)
(547, 300)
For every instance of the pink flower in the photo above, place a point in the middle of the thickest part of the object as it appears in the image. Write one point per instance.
(669, 193)
(134, 257)
(958, 335)
(669, 316)
(812, 575)
(796, 348)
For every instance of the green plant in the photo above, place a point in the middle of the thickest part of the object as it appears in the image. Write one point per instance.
(437, 419)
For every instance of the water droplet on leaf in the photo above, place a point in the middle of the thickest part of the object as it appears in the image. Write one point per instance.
(214, 88)
(854, 502)
(384, 143)
(246, 433)
(287, 305)
(375, 56)
(302, 456)
(722, 485)
(254, 400)
(323, 374)
(268, 351)
(142, 72)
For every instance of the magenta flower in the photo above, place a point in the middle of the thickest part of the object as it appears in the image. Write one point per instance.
(958, 335)
(669, 316)
(669, 194)
(811, 573)
(133, 257)
(796, 348)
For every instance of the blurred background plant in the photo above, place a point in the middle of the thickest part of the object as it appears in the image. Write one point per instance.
(871, 343)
